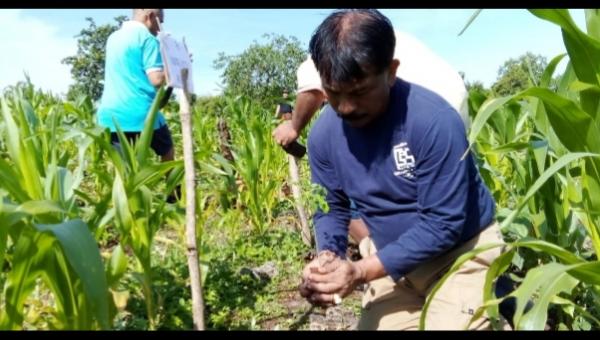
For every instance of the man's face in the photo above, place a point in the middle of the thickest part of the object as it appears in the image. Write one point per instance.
(360, 101)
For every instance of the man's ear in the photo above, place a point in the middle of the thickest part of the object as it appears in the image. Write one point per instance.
(151, 16)
(392, 71)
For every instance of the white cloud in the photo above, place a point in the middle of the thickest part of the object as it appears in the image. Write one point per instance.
(33, 46)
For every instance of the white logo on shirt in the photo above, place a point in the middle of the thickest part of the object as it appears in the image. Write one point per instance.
(405, 161)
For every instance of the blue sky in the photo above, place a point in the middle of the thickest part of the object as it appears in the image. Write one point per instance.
(36, 40)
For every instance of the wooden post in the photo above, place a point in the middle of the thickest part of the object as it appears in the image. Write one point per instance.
(295, 184)
(190, 206)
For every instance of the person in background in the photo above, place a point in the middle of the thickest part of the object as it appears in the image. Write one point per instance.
(134, 71)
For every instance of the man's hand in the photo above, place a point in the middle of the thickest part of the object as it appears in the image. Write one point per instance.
(285, 133)
(328, 276)
(323, 263)
(342, 280)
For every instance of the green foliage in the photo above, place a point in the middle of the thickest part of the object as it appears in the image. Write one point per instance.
(539, 153)
(476, 86)
(518, 74)
(65, 190)
(87, 66)
(40, 235)
(87, 240)
(258, 160)
(138, 213)
(262, 71)
(235, 298)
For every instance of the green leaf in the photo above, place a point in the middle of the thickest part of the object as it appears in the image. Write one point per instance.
(101, 138)
(455, 267)
(116, 266)
(126, 149)
(575, 128)
(30, 249)
(509, 147)
(40, 207)
(587, 272)
(540, 151)
(212, 169)
(592, 20)
(583, 50)
(149, 174)
(560, 301)
(142, 148)
(546, 282)
(584, 53)
(487, 109)
(579, 86)
(562, 254)
(470, 21)
(23, 157)
(549, 71)
(123, 218)
(83, 255)
(497, 267)
(554, 168)
(9, 179)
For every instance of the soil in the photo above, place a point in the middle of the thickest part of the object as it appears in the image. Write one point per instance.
(299, 314)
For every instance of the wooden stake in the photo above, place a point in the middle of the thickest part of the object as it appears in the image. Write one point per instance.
(190, 206)
(295, 184)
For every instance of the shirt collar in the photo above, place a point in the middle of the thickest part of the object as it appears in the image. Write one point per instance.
(133, 23)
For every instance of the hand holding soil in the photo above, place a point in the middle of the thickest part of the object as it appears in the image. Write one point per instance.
(326, 262)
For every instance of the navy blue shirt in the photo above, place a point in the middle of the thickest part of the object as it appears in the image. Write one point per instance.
(405, 172)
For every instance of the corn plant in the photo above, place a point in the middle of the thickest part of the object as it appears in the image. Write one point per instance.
(94, 192)
(42, 240)
(257, 160)
(215, 169)
(551, 165)
(138, 212)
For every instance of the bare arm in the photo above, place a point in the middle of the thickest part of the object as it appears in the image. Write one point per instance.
(157, 78)
(307, 103)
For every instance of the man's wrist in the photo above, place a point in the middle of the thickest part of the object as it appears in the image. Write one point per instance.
(360, 272)
(294, 126)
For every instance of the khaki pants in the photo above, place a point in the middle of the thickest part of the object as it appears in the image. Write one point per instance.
(389, 305)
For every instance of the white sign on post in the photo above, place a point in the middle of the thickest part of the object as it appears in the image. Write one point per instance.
(176, 58)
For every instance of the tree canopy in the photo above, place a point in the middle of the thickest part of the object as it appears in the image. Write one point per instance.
(263, 70)
(87, 66)
(518, 74)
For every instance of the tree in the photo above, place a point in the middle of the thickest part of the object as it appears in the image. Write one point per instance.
(262, 71)
(475, 85)
(519, 74)
(87, 66)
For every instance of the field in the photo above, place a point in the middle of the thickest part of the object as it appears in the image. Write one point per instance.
(88, 241)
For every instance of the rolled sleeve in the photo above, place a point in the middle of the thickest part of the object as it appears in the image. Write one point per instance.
(152, 60)
(308, 77)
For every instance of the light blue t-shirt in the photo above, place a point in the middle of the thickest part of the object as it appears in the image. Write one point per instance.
(131, 53)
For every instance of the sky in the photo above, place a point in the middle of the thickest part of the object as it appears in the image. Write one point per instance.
(36, 40)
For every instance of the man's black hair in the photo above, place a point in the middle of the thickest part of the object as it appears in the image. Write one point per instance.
(351, 42)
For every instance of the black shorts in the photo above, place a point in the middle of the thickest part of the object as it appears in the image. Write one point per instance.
(161, 139)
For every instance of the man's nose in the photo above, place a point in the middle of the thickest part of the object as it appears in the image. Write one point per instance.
(346, 106)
